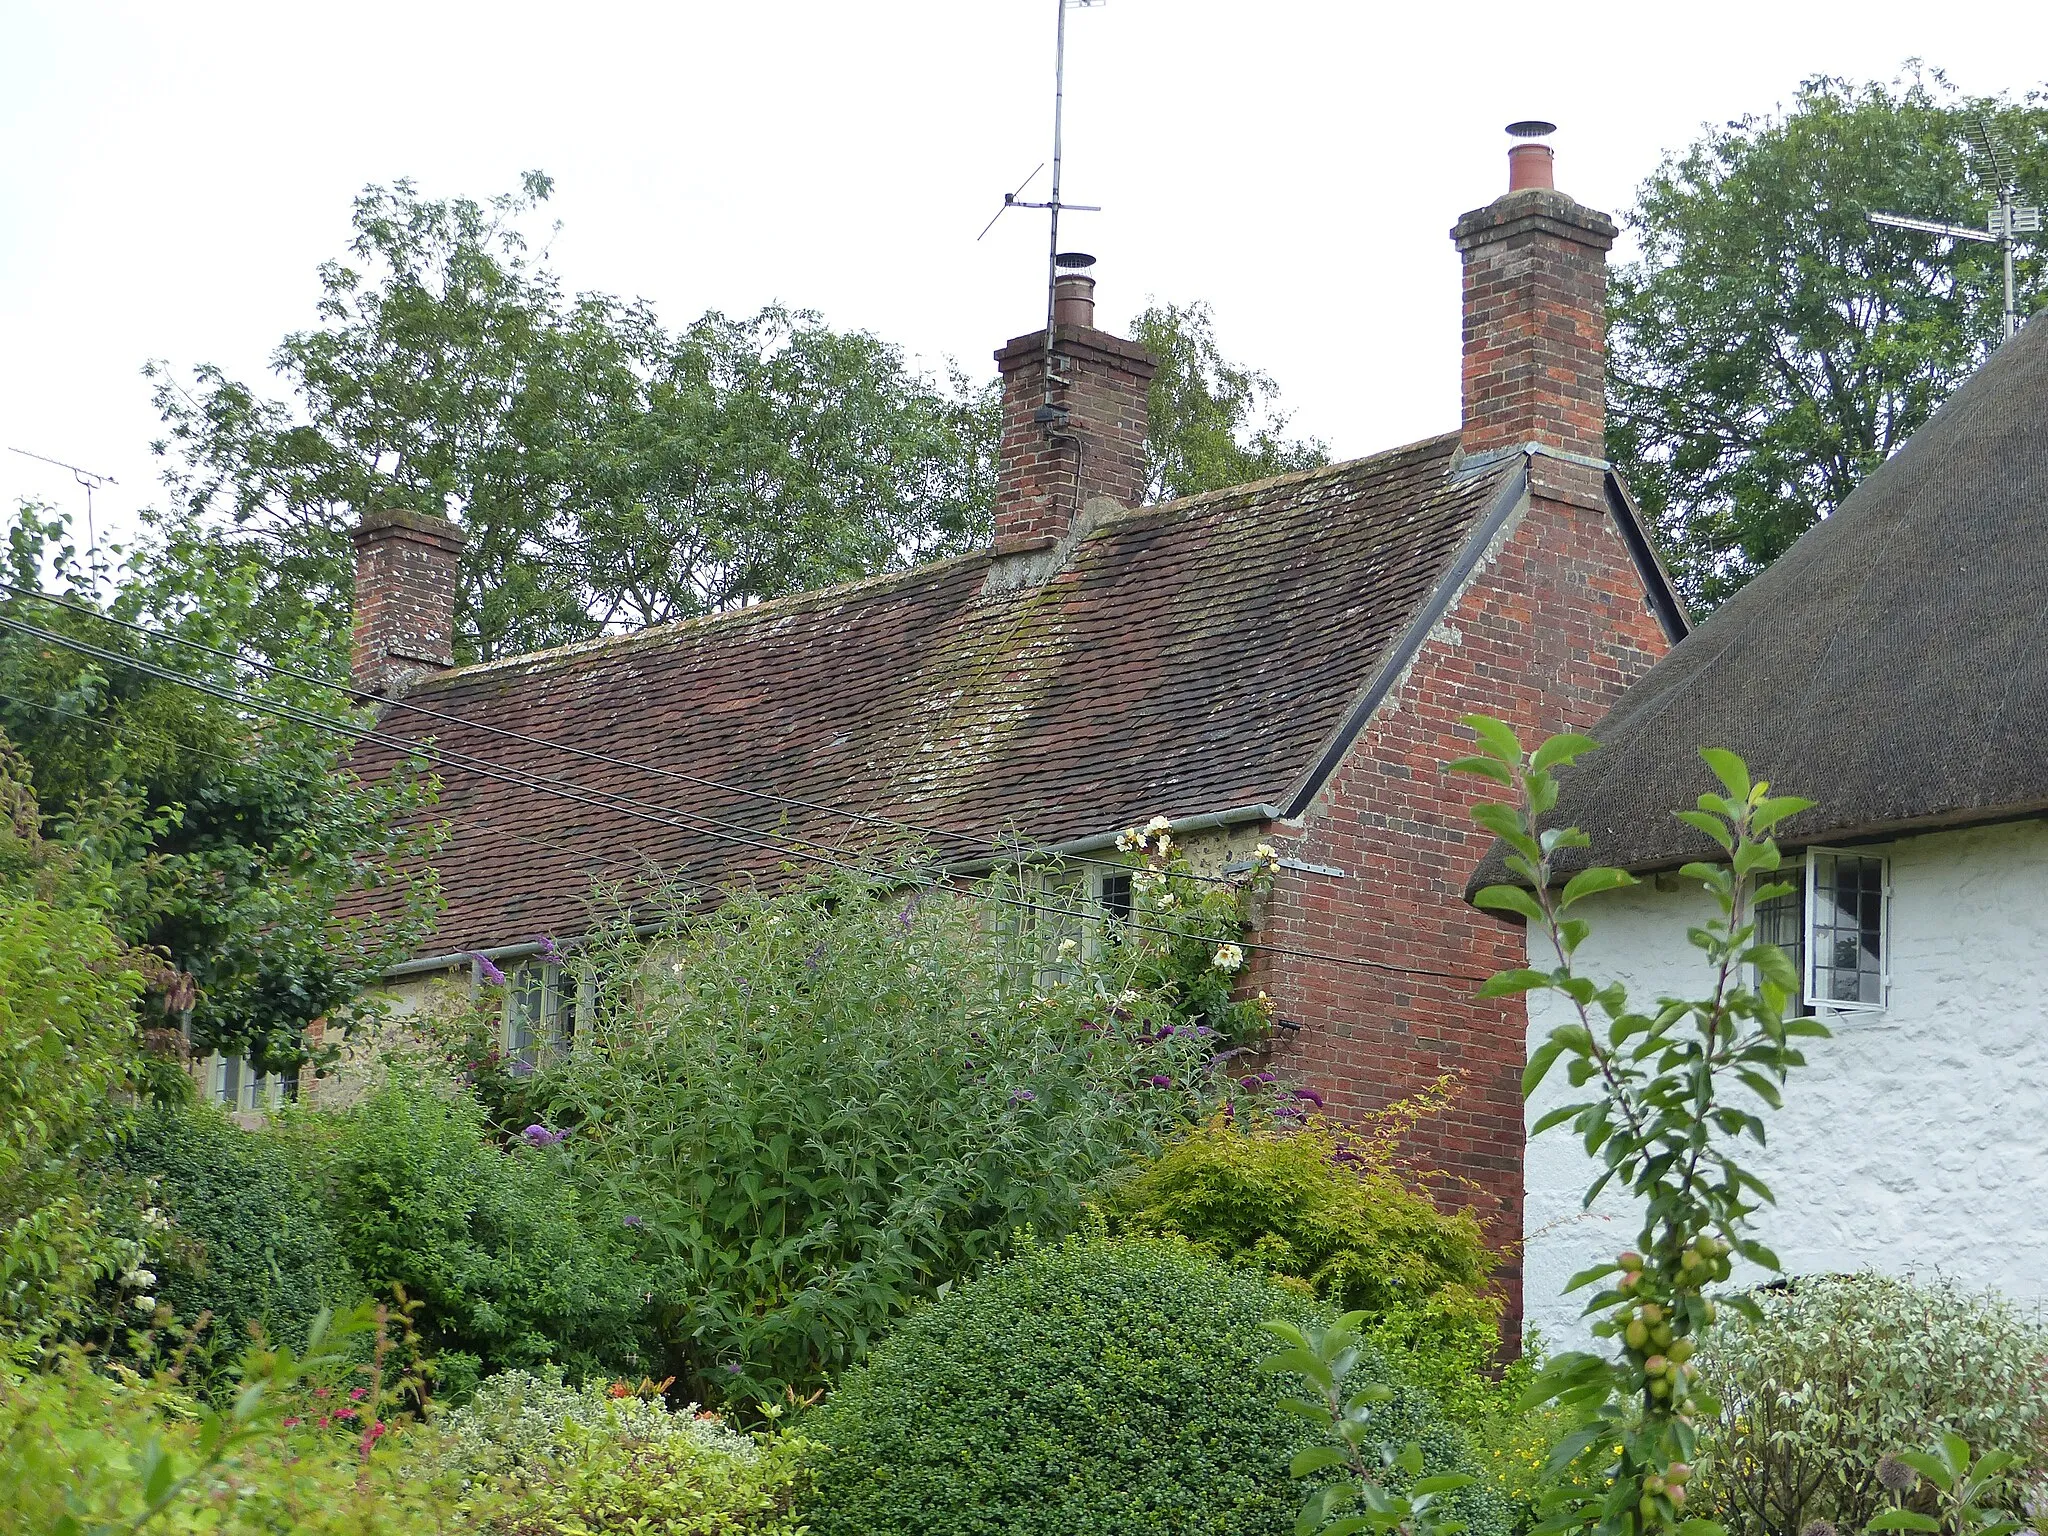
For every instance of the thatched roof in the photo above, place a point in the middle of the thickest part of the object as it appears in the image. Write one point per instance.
(1892, 665)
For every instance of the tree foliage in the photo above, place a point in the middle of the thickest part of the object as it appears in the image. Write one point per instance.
(1770, 347)
(1210, 422)
(607, 471)
(225, 839)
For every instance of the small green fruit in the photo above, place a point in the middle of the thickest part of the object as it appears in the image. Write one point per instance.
(1652, 1313)
(1656, 1365)
(1631, 1261)
(1637, 1335)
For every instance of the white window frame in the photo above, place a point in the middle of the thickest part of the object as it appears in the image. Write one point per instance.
(253, 1090)
(563, 997)
(1884, 933)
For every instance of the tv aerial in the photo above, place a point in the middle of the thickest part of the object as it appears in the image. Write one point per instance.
(1055, 259)
(2009, 219)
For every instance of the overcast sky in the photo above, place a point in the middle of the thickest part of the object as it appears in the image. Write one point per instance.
(172, 173)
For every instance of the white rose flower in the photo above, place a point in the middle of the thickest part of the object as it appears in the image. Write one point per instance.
(145, 1304)
(1157, 824)
(1228, 958)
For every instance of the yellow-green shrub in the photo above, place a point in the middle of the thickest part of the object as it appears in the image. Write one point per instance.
(1324, 1207)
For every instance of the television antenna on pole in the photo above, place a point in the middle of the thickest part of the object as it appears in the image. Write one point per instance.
(91, 482)
(1053, 204)
(2009, 218)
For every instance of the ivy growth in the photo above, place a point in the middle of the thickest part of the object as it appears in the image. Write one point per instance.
(1669, 1095)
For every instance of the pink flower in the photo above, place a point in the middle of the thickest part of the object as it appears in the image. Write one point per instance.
(291, 1422)
(357, 1394)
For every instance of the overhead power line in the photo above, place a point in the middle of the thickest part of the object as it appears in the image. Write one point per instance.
(608, 800)
(940, 835)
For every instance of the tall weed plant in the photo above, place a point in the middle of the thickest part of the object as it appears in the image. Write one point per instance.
(812, 1109)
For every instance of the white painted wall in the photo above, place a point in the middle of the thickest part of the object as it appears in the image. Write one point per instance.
(1914, 1140)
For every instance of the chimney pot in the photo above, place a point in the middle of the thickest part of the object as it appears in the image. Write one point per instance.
(1530, 165)
(1073, 300)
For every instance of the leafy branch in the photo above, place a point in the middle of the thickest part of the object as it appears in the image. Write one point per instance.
(1672, 1096)
(1327, 1357)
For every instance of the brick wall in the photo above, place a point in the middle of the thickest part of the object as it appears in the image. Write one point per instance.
(406, 576)
(1546, 634)
(1101, 380)
(1535, 358)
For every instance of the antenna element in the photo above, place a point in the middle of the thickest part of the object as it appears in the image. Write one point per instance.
(2008, 219)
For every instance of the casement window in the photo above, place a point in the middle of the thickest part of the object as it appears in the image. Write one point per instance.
(1835, 927)
(542, 1002)
(233, 1081)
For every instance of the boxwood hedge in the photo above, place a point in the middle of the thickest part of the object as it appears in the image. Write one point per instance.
(1103, 1386)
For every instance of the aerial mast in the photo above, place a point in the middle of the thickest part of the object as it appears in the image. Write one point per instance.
(2009, 218)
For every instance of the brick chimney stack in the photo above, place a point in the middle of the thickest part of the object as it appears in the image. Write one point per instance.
(1535, 313)
(1089, 442)
(406, 570)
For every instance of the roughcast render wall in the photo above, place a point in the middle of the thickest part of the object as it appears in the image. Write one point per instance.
(1915, 1140)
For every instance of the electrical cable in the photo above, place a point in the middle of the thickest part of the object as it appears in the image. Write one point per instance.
(585, 795)
(938, 835)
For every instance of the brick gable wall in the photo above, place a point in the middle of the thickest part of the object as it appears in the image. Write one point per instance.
(1546, 634)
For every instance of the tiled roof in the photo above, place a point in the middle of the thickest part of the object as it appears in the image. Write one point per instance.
(1889, 665)
(1192, 657)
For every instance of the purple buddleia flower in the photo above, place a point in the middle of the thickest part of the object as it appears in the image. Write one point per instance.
(1310, 1094)
(486, 972)
(1161, 1080)
(548, 950)
(636, 1221)
(1023, 1096)
(908, 915)
(541, 1136)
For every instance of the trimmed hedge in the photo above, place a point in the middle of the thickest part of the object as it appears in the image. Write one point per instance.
(1105, 1386)
(250, 1231)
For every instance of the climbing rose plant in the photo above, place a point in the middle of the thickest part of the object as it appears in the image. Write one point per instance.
(1669, 1093)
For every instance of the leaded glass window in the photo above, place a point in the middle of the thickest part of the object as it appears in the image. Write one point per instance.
(1845, 930)
(1781, 920)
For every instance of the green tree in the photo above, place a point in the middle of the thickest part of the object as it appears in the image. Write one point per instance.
(226, 839)
(1210, 422)
(606, 471)
(1770, 347)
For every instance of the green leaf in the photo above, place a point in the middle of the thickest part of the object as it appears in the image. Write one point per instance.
(1509, 898)
(1484, 767)
(1710, 824)
(1563, 748)
(1512, 983)
(1588, 882)
(1496, 737)
(1447, 1482)
(1540, 1061)
(1903, 1520)
(1317, 1458)
(1731, 770)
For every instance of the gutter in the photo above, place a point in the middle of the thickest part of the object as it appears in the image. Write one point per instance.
(1207, 821)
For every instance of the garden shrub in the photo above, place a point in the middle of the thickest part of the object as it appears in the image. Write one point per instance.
(67, 1049)
(1844, 1369)
(74, 1443)
(1324, 1205)
(820, 1106)
(1100, 1386)
(532, 1455)
(250, 1242)
(509, 1258)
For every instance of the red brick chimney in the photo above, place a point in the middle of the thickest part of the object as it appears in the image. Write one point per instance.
(1535, 313)
(406, 569)
(1082, 439)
